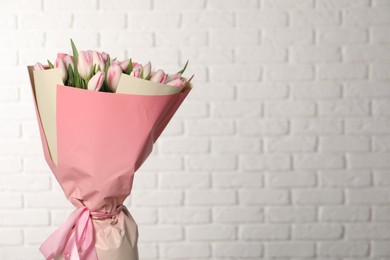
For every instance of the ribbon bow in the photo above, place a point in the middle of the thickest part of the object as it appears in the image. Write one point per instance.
(77, 245)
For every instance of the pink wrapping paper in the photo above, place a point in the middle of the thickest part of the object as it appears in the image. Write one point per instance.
(102, 139)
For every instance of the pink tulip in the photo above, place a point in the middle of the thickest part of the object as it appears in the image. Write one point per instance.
(85, 64)
(124, 64)
(96, 82)
(105, 56)
(98, 61)
(68, 61)
(159, 77)
(136, 73)
(60, 65)
(147, 70)
(114, 73)
(173, 77)
(38, 66)
(176, 83)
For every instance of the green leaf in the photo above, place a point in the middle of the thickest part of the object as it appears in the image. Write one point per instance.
(183, 69)
(70, 81)
(50, 64)
(75, 61)
(107, 65)
(129, 67)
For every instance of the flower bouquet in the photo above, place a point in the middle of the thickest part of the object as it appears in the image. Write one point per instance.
(98, 119)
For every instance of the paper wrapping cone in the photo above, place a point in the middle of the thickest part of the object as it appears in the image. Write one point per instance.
(94, 142)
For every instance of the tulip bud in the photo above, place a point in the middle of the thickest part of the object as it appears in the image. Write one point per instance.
(60, 65)
(98, 61)
(173, 77)
(105, 56)
(114, 73)
(159, 77)
(69, 61)
(85, 64)
(38, 66)
(96, 82)
(137, 71)
(147, 70)
(124, 64)
(176, 83)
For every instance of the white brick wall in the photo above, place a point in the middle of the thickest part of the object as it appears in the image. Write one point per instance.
(281, 151)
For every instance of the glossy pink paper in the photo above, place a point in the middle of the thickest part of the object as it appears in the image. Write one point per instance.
(103, 138)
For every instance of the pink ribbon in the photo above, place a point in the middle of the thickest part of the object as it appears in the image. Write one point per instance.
(75, 238)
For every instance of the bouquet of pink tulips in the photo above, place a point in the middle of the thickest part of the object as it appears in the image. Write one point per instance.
(95, 167)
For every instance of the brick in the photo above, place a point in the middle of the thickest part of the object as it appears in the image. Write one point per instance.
(367, 160)
(228, 73)
(59, 216)
(148, 250)
(157, 20)
(209, 19)
(172, 38)
(341, 35)
(382, 178)
(367, 53)
(314, 90)
(379, 125)
(264, 232)
(233, 37)
(288, 214)
(342, 71)
(344, 214)
(162, 163)
(69, 5)
(263, 196)
(10, 165)
(157, 197)
(366, 16)
(344, 143)
(40, 20)
(46, 199)
(8, 22)
(201, 55)
(146, 180)
(321, 161)
(312, 196)
(215, 162)
(11, 237)
(24, 182)
(341, 4)
(184, 180)
(290, 179)
(345, 178)
(119, 6)
(259, 91)
(381, 143)
(380, 248)
(11, 200)
(20, 253)
(265, 162)
(144, 215)
(210, 232)
(381, 213)
(20, 147)
(263, 126)
(317, 53)
(290, 108)
(208, 127)
(287, 5)
(237, 249)
(261, 19)
(233, 145)
(180, 250)
(24, 5)
(182, 215)
(343, 248)
(232, 5)
(294, 249)
(236, 109)
(261, 54)
(10, 57)
(381, 107)
(306, 18)
(367, 231)
(317, 231)
(180, 146)
(367, 89)
(160, 233)
(370, 195)
(287, 36)
(83, 39)
(344, 107)
(36, 235)
(236, 180)
(89, 20)
(238, 214)
(21, 218)
(9, 95)
(211, 197)
(380, 34)
(124, 38)
(214, 91)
